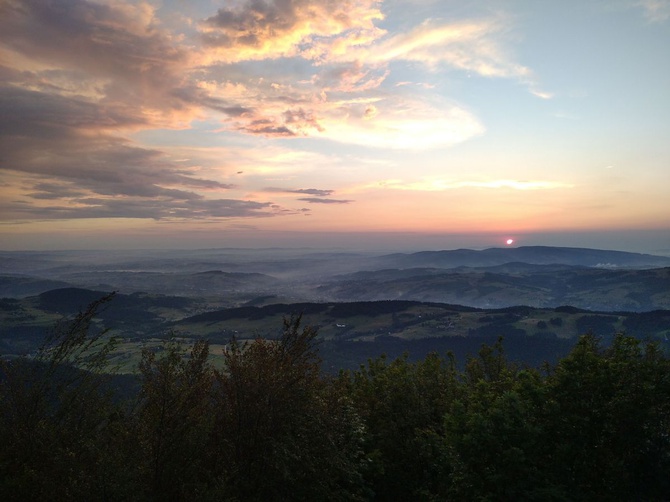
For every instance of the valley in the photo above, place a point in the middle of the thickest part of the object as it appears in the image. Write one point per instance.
(362, 304)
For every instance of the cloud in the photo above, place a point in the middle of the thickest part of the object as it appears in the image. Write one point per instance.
(374, 118)
(339, 64)
(135, 207)
(254, 30)
(65, 138)
(351, 76)
(469, 46)
(655, 11)
(399, 122)
(267, 127)
(32, 113)
(61, 143)
(316, 200)
(348, 61)
(472, 46)
(78, 78)
(51, 190)
(125, 58)
(290, 122)
(83, 83)
(304, 191)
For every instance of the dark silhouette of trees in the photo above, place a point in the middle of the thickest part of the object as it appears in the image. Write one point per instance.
(282, 431)
(56, 417)
(173, 421)
(269, 425)
(608, 414)
(403, 405)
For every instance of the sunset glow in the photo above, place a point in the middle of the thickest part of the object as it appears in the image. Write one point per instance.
(131, 123)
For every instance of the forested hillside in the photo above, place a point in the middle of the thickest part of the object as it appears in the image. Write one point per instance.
(270, 425)
(349, 332)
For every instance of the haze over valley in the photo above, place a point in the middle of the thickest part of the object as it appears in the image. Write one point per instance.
(540, 298)
(496, 277)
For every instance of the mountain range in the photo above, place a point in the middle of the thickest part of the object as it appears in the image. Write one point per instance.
(538, 298)
(537, 276)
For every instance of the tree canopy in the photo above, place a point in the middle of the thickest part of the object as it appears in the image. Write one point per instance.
(270, 425)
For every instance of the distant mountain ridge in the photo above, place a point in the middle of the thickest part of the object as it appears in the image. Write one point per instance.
(534, 255)
(508, 285)
(539, 276)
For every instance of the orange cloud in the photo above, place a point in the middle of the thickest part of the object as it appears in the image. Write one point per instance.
(350, 58)
(79, 78)
(260, 30)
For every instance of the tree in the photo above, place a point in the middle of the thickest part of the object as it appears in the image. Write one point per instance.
(283, 432)
(57, 418)
(403, 405)
(609, 417)
(174, 419)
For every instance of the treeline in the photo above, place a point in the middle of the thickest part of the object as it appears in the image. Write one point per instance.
(270, 425)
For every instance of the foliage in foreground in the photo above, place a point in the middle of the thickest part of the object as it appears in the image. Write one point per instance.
(271, 426)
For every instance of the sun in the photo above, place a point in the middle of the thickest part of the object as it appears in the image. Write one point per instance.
(509, 242)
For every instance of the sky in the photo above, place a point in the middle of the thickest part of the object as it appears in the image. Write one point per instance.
(367, 124)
